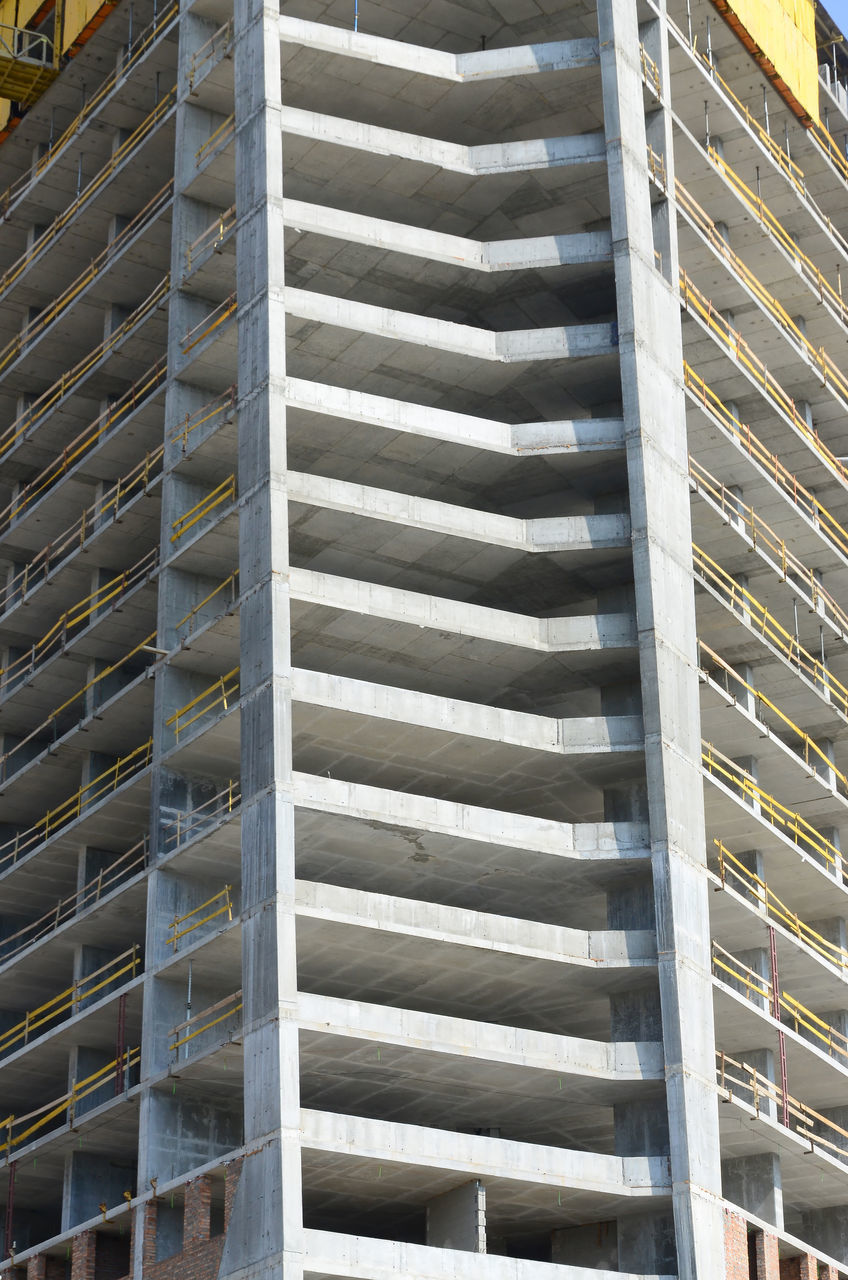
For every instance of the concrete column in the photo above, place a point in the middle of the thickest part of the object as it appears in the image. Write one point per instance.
(594, 1245)
(266, 1217)
(457, 1219)
(827, 1230)
(753, 1182)
(657, 460)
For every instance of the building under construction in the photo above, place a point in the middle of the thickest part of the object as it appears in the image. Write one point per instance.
(423, 640)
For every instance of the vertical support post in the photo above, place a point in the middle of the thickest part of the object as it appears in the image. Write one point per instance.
(775, 1009)
(120, 1045)
(8, 1238)
(655, 435)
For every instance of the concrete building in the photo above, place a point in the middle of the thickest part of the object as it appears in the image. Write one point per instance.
(424, 640)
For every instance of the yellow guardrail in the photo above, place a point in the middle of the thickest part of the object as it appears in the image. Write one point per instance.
(224, 403)
(734, 872)
(650, 73)
(216, 47)
(114, 416)
(209, 323)
(757, 616)
(192, 615)
(221, 136)
(55, 308)
(126, 767)
(59, 223)
(220, 693)
(147, 38)
(60, 388)
(224, 492)
(185, 1032)
(69, 1000)
(734, 1077)
(92, 521)
(221, 903)
(65, 1107)
(716, 765)
(78, 616)
(187, 822)
(761, 536)
(808, 750)
(107, 879)
(212, 238)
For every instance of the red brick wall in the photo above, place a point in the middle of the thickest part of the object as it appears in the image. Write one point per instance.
(735, 1246)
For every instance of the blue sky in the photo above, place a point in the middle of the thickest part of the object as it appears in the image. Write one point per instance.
(838, 10)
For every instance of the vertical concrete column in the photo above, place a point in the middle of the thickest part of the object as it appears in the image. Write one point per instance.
(753, 1182)
(457, 1219)
(266, 1218)
(657, 460)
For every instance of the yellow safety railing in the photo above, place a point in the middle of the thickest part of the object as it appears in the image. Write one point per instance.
(735, 346)
(186, 823)
(79, 616)
(60, 388)
(757, 616)
(828, 146)
(92, 520)
(734, 872)
(720, 767)
(215, 48)
(125, 768)
(650, 73)
(224, 403)
(209, 323)
(121, 153)
(222, 135)
(224, 492)
(191, 617)
(69, 1000)
(114, 416)
(218, 694)
(64, 1108)
(798, 1015)
(146, 39)
(761, 1093)
(55, 308)
(107, 879)
(769, 463)
(53, 719)
(221, 1011)
(220, 903)
(763, 708)
(212, 238)
(762, 536)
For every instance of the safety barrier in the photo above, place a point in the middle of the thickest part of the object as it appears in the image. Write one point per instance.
(757, 616)
(716, 765)
(113, 417)
(222, 1011)
(64, 1108)
(222, 493)
(145, 41)
(216, 141)
(218, 694)
(762, 1094)
(806, 749)
(650, 73)
(92, 520)
(121, 153)
(186, 823)
(732, 871)
(221, 904)
(213, 50)
(209, 323)
(69, 1000)
(224, 403)
(78, 616)
(211, 239)
(125, 768)
(107, 879)
(66, 383)
(192, 616)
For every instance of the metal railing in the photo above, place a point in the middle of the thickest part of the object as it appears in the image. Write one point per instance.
(107, 782)
(192, 616)
(211, 239)
(222, 1011)
(765, 1096)
(216, 141)
(650, 73)
(107, 879)
(224, 403)
(716, 765)
(76, 618)
(121, 153)
(187, 823)
(140, 47)
(749, 609)
(113, 417)
(213, 50)
(20, 42)
(221, 693)
(219, 904)
(64, 1108)
(805, 748)
(216, 317)
(222, 493)
(69, 1001)
(66, 383)
(92, 521)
